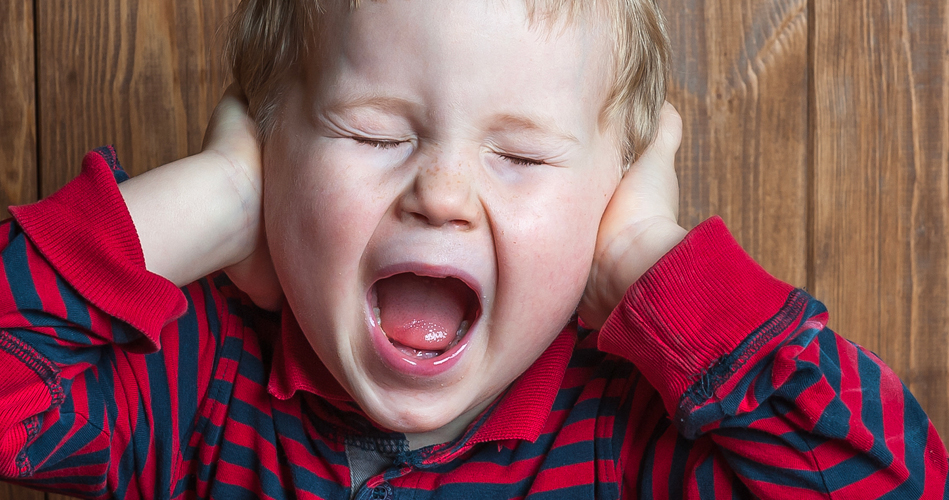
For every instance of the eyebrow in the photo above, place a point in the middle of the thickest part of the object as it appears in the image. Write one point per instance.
(528, 124)
(375, 101)
(499, 122)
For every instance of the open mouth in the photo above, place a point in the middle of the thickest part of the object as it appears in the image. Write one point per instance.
(422, 316)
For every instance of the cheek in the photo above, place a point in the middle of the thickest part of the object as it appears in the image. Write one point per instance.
(313, 198)
(545, 250)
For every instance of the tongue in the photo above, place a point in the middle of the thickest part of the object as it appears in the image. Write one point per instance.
(421, 312)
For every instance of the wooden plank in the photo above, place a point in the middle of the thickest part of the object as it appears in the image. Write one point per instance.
(17, 105)
(13, 492)
(17, 132)
(739, 80)
(880, 125)
(141, 74)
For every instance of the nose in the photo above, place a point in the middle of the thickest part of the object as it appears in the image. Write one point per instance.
(444, 194)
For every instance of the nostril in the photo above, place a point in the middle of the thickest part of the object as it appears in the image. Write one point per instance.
(455, 223)
(420, 218)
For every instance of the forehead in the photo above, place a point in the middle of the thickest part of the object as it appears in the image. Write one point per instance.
(495, 52)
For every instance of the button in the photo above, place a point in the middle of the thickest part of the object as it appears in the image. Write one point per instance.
(382, 492)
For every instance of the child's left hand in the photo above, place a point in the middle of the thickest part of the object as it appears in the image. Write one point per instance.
(639, 225)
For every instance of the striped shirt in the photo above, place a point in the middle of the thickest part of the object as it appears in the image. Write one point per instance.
(711, 379)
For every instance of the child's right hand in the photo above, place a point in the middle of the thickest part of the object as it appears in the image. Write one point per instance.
(231, 134)
(203, 213)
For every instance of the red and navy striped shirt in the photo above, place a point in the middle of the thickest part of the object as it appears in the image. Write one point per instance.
(711, 380)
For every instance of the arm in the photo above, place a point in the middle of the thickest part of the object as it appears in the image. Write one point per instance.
(82, 320)
(763, 398)
(202, 213)
(74, 285)
(759, 389)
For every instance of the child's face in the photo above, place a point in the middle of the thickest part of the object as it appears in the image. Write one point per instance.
(446, 139)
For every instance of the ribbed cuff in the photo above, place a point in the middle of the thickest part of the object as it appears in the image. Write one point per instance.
(694, 306)
(86, 233)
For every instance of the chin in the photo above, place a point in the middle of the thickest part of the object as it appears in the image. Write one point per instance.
(422, 412)
(430, 418)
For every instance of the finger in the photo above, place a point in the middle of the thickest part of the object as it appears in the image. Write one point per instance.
(650, 186)
(229, 116)
(668, 137)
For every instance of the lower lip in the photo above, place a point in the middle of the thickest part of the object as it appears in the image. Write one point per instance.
(415, 367)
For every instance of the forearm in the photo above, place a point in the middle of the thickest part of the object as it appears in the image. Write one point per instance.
(193, 216)
(746, 362)
(694, 307)
(77, 310)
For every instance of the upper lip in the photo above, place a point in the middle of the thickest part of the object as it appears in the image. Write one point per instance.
(431, 271)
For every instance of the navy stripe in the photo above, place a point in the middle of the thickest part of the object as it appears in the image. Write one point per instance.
(705, 479)
(17, 270)
(647, 470)
(77, 311)
(915, 434)
(186, 378)
(872, 411)
(680, 457)
(248, 458)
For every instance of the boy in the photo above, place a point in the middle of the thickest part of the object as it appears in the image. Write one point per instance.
(440, 184)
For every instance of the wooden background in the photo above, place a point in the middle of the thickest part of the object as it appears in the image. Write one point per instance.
(818, 129)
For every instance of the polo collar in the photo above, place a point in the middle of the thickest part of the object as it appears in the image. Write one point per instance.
(521, 414)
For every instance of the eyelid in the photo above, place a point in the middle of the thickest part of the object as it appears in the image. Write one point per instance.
(380, 143)
(345, 127)
(521, 160)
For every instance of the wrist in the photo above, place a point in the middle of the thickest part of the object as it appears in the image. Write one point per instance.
(241, 192)
(194, 216)
(646, 248)
(622, 262)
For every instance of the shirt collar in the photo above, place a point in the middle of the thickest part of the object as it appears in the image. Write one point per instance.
(297, 368)
(521, 414)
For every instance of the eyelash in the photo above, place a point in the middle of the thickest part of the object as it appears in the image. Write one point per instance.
(517, 160)
(378, 144)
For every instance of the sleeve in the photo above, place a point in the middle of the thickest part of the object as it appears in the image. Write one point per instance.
(97, 355)
(765, 400)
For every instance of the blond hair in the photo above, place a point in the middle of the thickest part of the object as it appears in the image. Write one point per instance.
(268, 37)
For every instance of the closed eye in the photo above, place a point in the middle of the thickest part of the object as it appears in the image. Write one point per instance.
(518, 160)
(377, 143)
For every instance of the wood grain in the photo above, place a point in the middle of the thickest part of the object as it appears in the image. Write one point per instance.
(880, 129)
(739, 80)
(13, 492)
(141, 74)
(17, 131)
(17, 105)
